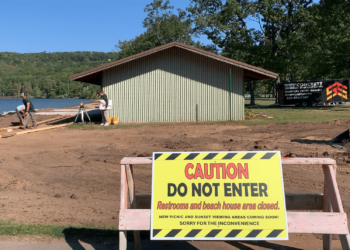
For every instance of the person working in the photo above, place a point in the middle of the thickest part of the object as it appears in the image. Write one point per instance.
(28, 111)
(20, 113)
(103, 108)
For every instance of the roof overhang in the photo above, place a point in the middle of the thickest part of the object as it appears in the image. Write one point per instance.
(251, 73)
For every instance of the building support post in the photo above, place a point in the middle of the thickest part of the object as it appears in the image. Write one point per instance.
(251, 87)
(229, 96)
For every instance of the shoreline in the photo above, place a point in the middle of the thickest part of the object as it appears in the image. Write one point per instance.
(90, 105)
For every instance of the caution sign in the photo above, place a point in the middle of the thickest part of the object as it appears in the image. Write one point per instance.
(218, 196)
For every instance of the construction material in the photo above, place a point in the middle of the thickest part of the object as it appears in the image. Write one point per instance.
(332, 220)
(35, 130)
(40, 122)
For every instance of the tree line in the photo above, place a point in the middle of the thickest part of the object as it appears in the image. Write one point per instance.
(46, 75)
(298, 39)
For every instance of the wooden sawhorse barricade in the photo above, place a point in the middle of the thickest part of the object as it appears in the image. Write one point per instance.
(332, 220)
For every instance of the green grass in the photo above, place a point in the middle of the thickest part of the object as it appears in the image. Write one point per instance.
(261, 102)
(281, 115)
(8, 228)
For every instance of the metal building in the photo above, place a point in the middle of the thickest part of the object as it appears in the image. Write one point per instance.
(175, 82)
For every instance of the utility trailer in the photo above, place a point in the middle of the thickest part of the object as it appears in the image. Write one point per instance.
(312, 93)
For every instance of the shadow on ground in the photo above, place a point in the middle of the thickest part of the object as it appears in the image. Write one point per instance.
(306, 141)
(82, 239)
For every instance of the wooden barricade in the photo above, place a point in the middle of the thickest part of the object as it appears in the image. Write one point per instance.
(332, 220)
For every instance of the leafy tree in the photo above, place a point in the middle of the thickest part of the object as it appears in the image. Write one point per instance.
(274, 46)
(327, 40)
(162, 26)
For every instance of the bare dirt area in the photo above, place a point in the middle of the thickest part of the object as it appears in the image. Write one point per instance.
(72, 177)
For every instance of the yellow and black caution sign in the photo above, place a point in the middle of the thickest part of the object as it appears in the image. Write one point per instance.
(218, 195)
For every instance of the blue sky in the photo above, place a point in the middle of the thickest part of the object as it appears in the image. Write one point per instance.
(71, 25)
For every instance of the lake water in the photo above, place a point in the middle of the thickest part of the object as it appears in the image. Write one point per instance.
(11, 104)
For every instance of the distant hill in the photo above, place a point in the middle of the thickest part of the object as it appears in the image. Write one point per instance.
(47, 74)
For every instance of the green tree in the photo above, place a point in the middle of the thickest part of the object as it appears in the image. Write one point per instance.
(328, 39)
(162, 26)
(274, 46)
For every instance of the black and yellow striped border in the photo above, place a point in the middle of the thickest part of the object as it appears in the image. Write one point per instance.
(216, 156)
(217, 233)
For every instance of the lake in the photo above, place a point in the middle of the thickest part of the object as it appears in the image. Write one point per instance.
(11, 104)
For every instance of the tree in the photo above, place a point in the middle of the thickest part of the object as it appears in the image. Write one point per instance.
(328, 39)
(162, 27)
(274, 46)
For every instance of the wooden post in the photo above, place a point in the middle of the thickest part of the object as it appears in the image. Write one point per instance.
(334, 196)
(327, 207)
(132, 198)
(123, 205)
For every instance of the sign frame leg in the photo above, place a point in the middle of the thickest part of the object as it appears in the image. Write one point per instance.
(123, 205)
(132, 199)
(333, 195)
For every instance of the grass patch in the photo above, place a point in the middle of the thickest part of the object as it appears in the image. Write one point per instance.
(281, 115)
(8, 228)
(261, 102)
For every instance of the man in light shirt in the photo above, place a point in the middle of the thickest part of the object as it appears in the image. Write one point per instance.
(20, 113)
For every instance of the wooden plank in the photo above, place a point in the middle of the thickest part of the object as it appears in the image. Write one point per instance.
(304, 201)
(40, 122)
(135, 219)
(131, 187)
(123, 205)
(317, 222)
(298, 222)
(333, 194)
(327, 207)
(332, 188)
(136, 160)
(42, 129)
(288, 161)
(293, 201)
(285, 161)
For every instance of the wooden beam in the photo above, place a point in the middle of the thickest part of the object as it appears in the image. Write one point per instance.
(123, 205)
(298, 222)
(40, 122)
(332, 193)
(136, 160)
(307, 161)
(285, 161)
(35, 130)
(42, 129)
(132, 199)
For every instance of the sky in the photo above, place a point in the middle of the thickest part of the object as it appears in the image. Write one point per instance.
(72, 25)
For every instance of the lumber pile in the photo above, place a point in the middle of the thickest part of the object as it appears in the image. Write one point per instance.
(55, 119)
(34, 130)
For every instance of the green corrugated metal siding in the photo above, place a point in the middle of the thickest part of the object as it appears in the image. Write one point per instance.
(166, 86)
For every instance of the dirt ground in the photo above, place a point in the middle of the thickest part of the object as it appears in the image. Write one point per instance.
(66, 176)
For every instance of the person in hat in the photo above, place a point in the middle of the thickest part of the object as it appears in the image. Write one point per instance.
(28, 111)
(103, 107)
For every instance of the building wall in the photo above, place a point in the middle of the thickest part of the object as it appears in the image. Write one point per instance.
(167, 86)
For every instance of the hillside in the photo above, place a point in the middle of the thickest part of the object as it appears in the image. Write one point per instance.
(47, 74)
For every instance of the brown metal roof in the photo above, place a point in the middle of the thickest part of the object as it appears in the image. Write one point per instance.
(250, 72)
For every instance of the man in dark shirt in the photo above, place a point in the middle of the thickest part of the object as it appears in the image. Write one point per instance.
(28, 111)
(103, 107)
